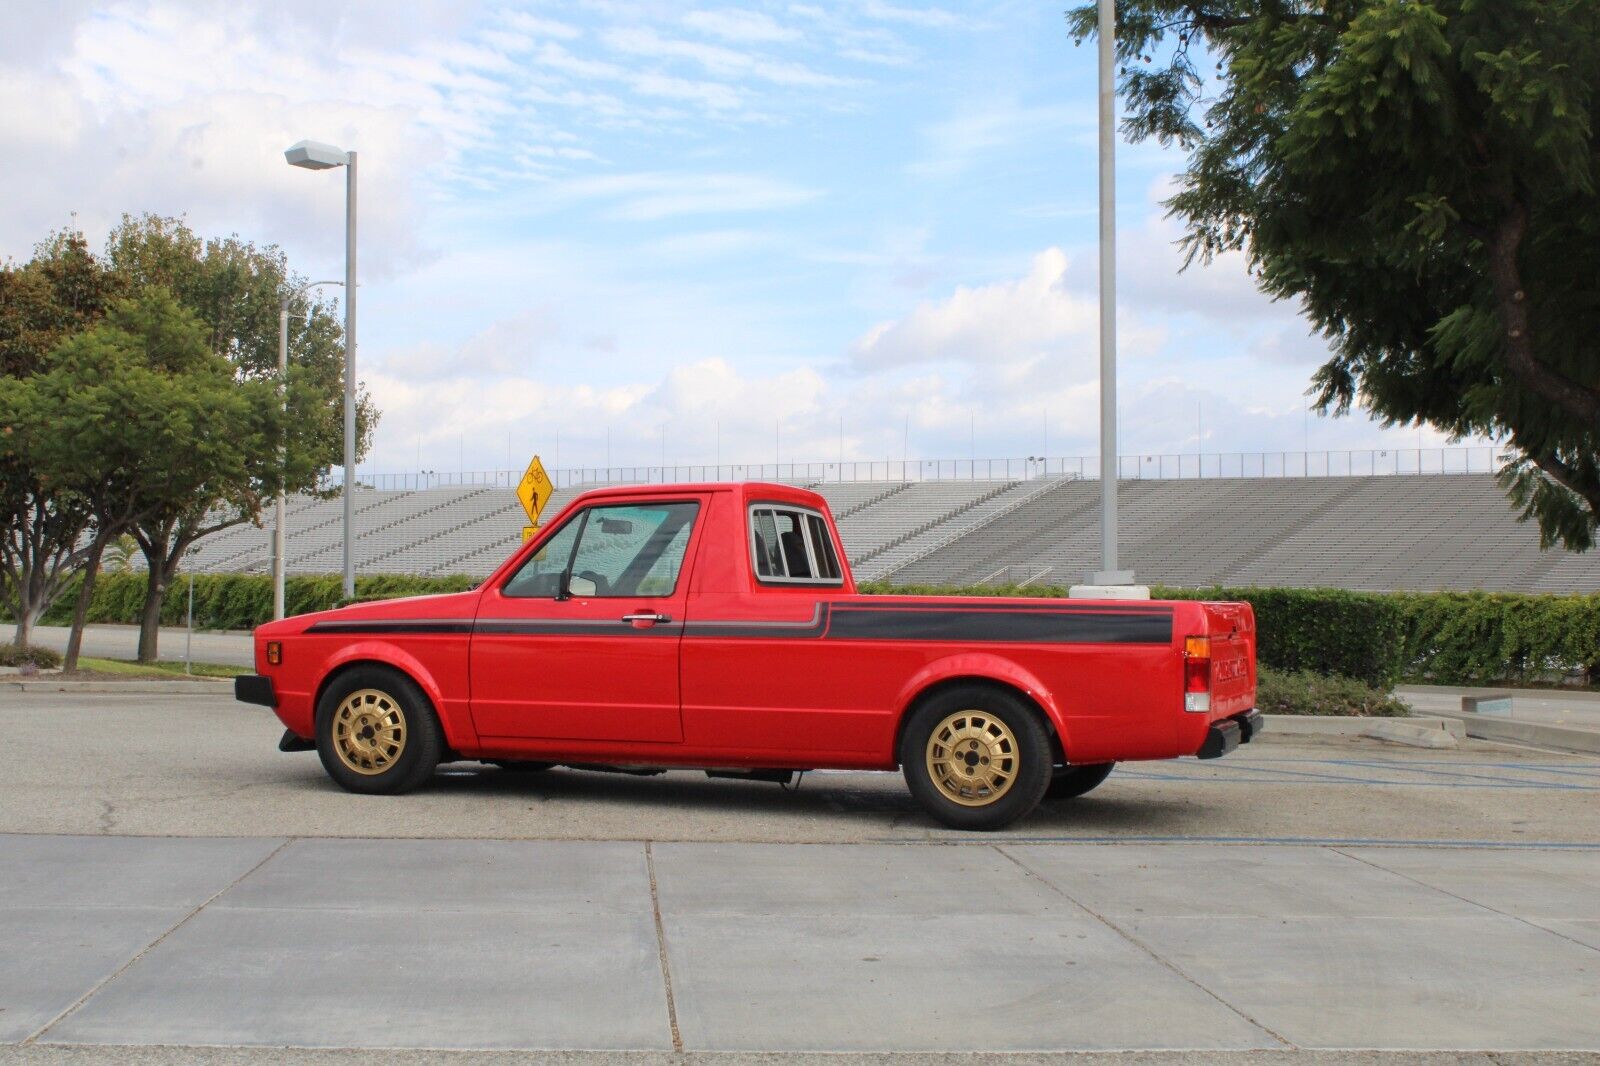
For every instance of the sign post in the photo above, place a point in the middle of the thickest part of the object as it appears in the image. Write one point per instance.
(533, 492)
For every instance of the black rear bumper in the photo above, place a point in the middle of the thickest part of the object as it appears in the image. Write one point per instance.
(1229, 733)
(253, 688)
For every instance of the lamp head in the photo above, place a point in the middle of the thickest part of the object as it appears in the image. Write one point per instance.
(314, 155)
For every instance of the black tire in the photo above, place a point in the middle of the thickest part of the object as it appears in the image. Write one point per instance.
(522, 766)
(1071, 782)
(1019, 748)
(363, 733)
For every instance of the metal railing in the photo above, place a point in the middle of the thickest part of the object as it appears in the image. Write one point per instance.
(1369, 462)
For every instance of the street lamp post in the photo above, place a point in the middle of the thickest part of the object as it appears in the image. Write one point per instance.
(314, 155)
(1109, 574)
(280, 509)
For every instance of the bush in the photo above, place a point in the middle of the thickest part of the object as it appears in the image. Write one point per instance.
(1480, 637)
(43, 658)
(238, 601)
(1306, 692)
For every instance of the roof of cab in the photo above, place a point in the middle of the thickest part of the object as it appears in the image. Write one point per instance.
(749, 490)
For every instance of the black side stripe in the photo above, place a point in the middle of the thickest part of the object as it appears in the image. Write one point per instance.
(1022, 624)
(1007, 627)
(393, 625)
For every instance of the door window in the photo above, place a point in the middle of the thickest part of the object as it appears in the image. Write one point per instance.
(612, 551)
(541, 576)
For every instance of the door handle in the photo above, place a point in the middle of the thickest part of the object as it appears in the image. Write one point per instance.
(642, 619)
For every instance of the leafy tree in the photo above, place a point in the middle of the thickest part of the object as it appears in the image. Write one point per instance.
(131, 415)
(62, 290)
(234, 288)
(1420, 176)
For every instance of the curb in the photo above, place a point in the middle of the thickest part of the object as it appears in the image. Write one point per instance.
(1535, 734)
(1420, 732)
(178, 687)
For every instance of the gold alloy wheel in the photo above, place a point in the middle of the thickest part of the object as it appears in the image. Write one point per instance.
(369, 731)
(972, 758)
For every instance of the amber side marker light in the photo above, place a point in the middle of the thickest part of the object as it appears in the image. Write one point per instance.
(274, 653)
(1197, 674)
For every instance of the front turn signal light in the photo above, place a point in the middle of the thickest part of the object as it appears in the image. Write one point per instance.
(274, 652)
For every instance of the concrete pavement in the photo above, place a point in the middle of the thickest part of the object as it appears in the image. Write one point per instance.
(173, 889)
(197, 765)
(598, 946)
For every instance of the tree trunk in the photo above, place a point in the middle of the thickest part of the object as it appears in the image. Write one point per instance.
(24, 629)
(1511, 304)
(80, 612)
(155, 594)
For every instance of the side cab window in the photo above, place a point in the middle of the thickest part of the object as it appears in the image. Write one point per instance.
(791, 545)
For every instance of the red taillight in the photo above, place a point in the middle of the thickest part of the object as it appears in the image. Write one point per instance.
(1197, 673)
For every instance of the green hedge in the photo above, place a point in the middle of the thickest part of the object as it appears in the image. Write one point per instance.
(239, 601)
(1451, 638)
(1380, 639)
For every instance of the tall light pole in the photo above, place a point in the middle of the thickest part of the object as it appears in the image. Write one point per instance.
(314, 155)
(1109, 574)
(280, 509)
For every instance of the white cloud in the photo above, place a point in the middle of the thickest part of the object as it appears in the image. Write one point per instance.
(978, 131)
(717, 59)
(736, 24)
(657, 195)
(925, 16)
(1000, 323)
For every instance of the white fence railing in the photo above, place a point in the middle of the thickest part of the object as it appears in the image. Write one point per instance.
(1350, 463)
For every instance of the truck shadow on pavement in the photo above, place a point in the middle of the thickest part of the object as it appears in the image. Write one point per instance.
(819, 795)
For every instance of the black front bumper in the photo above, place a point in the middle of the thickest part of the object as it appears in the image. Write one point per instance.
(253, 688)
(1229, 733)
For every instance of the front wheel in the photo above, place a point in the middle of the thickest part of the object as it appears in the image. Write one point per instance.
(377, 733)
(976, 758)
(1071, 782)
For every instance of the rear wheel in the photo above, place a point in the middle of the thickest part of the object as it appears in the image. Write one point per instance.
(975, 757)
(377, 733)
(1071, 782)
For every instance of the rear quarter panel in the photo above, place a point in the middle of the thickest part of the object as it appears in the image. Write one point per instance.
(832, 686)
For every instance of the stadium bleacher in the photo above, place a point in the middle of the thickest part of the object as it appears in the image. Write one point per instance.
(1387, 532)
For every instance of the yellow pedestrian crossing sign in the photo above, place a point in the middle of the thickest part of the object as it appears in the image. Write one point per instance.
(533, 492)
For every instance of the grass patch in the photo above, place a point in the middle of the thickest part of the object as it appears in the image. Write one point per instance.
(1306, 692)
(163, 669)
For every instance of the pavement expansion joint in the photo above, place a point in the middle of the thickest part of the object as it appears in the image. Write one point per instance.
(119, 971)
(1464, 899)
(661, 948)
(1143, 947)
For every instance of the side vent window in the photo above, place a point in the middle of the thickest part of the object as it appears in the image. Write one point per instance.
(792, 546)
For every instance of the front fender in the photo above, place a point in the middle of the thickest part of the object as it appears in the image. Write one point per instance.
(458, 730)
(983, 666)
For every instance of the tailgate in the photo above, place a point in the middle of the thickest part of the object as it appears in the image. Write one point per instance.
(1232, 628)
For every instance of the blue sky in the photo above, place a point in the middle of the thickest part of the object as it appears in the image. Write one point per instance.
(701, 231)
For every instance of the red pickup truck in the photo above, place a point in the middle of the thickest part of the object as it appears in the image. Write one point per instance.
(718, 627)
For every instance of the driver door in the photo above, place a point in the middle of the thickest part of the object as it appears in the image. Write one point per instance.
(581, 642)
